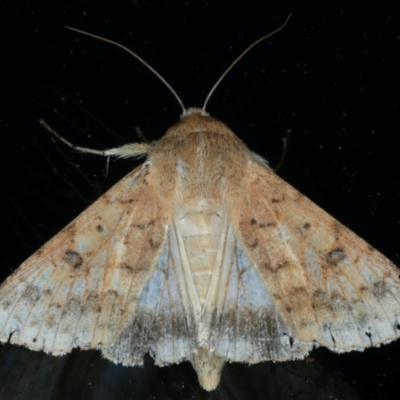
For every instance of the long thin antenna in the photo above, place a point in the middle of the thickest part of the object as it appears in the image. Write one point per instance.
(138, 58)
(240, 57)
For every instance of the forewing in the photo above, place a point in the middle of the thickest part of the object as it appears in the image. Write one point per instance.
(163, 319)
(82, 286)
(242, 320)
(319, 283)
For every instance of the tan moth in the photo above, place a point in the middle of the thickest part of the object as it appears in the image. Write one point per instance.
(202, 253)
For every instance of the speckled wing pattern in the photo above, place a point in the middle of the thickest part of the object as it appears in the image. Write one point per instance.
(287, 277)
(328, 287)
(79, 289)
(245, 320)
(162, 320)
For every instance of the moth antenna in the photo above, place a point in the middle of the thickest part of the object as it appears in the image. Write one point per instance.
(148, 66)
(240, 57)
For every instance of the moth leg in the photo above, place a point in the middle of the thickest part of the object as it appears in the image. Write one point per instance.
(283, 155)
(128, 150)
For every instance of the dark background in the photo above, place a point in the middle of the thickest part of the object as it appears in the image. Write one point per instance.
(329, 82)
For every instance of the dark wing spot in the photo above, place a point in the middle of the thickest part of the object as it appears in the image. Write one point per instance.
(364, 289)
(253, 221)
(127, 268)
(267, 266)
(306, 226)
(335, 256)
(99, 228)
(333, 339)
(39, 252)
(320, 301)
(139, 226)
(379, 289)
(369, 334)
(282, 265)
(47, 292)
(253, 244)
(31, 294)
(268, 224)
(154, 244)
(337, 227)
(124, 202)
(73, 259)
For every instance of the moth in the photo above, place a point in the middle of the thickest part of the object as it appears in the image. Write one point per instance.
(201, 253)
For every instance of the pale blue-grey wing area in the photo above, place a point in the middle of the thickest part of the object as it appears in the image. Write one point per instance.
(298, 279)
(244, 319)
(163, 319)
(81, 287)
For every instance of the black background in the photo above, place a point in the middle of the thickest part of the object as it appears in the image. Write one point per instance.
(328, 81)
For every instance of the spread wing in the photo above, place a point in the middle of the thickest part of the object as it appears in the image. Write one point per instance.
(293, 277)
(287, 277)
(81, 288)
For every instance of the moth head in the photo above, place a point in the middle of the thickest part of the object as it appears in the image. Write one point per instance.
(195, 110)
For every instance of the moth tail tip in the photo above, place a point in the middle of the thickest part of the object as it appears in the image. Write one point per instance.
(209, 369)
